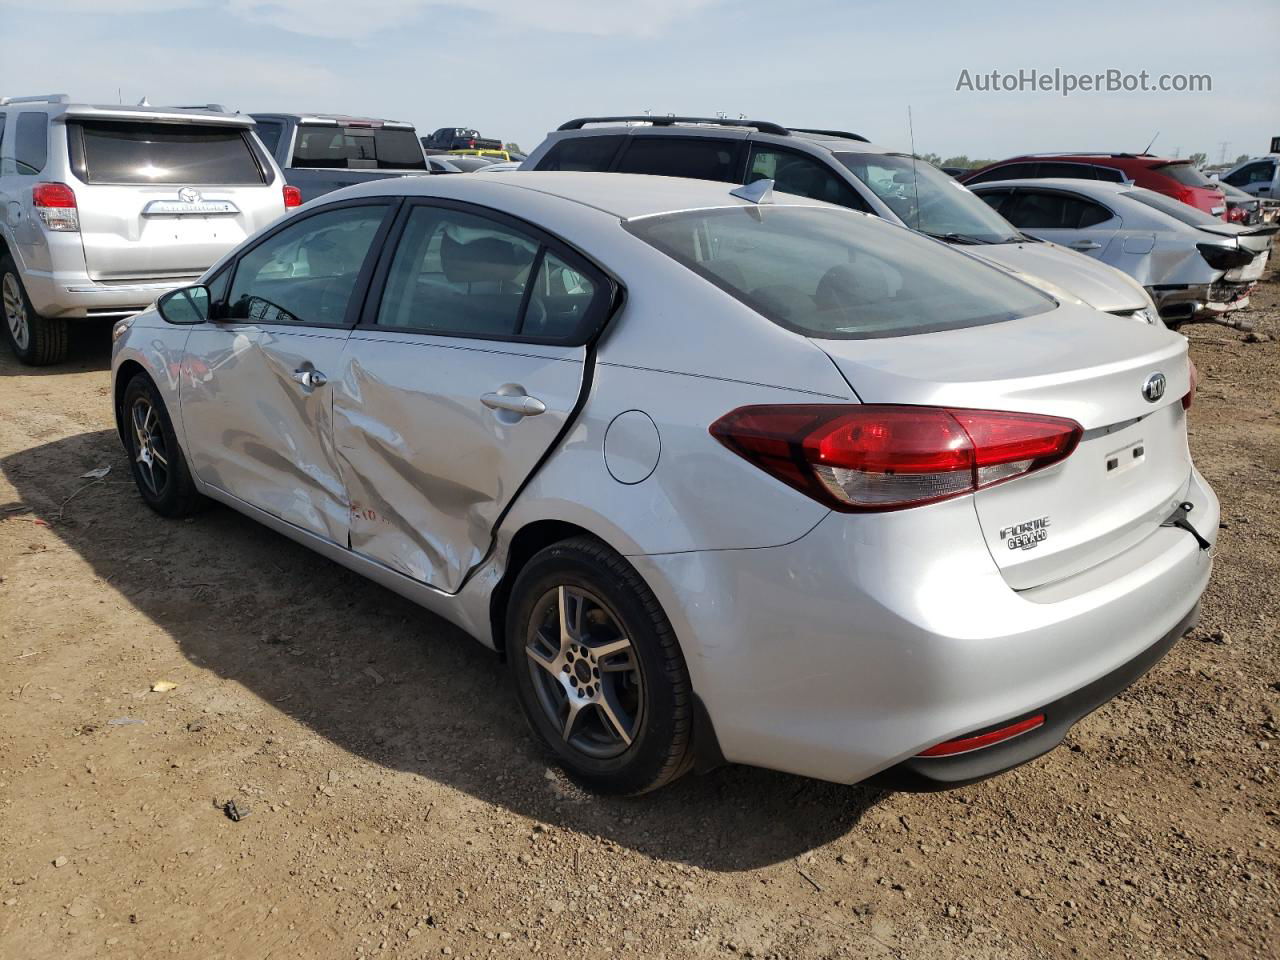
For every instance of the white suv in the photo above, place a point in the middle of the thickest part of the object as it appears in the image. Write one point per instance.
(105, 208)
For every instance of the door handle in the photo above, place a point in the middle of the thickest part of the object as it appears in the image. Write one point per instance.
(1085, 245)
(310, 378)
(520, 404)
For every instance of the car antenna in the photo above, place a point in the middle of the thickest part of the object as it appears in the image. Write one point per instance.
(915, 177)
(143, 102)
(1149, 145)
(757, 192)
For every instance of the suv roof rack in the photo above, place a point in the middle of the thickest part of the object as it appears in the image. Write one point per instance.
(764, 126)
(39, 98)
(214, 107)
(844, 134)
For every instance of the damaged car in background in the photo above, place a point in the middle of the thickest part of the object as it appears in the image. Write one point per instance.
(1194, 265)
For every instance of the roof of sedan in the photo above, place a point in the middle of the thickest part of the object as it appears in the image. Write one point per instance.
(1096, 187)
(624, 195)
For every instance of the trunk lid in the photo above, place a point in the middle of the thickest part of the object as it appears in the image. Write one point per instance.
(1132, 466)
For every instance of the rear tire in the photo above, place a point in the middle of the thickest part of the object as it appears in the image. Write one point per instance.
(35, 340)
(155, 459)
(598, 670)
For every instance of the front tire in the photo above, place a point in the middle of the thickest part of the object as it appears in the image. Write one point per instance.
(598, 671)
(35, 340)
(155, 459)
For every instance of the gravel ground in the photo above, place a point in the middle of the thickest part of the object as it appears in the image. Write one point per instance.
(397, 807)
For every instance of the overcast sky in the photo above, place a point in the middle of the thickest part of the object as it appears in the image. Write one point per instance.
(517, 68)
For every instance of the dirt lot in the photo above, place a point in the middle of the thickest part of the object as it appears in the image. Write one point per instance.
(398, 807)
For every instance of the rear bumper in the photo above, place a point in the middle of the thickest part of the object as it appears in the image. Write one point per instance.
(77, 297)
(920, 774)
(1201, 301)
(874, 637)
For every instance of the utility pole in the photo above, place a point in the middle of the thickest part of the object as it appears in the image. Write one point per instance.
(1222, 156)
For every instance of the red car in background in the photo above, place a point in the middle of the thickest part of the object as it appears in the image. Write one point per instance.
(1180, 179)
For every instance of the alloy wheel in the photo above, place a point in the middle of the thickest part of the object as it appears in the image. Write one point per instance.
(15, 311)
(151, 454)
(585, 672)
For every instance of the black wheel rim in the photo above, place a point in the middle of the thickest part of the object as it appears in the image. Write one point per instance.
(585, 672)
(150, 454)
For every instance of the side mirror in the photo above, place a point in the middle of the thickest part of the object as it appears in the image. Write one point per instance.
(1213, 176)
(185, 306)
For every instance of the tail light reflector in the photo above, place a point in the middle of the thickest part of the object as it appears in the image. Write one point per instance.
(877, 457)
(949, 748)
(55, 205)
(292, 197)
(1190, 396)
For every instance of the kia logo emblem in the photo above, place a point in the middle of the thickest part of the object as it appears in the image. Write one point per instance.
(189, 195)
(1153, 389)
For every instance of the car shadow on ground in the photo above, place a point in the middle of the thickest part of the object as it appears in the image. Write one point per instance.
(384, 679)
(89, 349)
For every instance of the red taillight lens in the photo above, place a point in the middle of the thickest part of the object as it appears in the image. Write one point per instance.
(292, 197)
(55, 205)
(881, 457)
(949, 748)
(1190, 396)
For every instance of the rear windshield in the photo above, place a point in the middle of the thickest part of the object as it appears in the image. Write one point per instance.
(112, 152)
(926, 199)
(357, 148)
(1186, 174)
(1174, 208)
(836, 274)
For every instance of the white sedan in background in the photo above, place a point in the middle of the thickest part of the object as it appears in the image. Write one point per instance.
(724, 475)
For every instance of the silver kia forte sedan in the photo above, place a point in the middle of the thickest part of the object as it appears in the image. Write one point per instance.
(724, 475)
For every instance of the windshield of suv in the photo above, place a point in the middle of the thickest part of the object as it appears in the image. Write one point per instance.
(357, 148)
(926, 199)
(1185, 173)
(123, 152)
(836, 274)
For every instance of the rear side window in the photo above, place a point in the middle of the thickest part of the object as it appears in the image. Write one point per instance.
(1035, 209)
(3, 117)
(582, 153)
(31, 142)
(700, 159)
(804, 176)
(1008, 171)
(307, 272)
(111, 152)
(269, 132)
(833, 274)
(323, 147)
(1185, 174)
(1074, 171)
(458, 274)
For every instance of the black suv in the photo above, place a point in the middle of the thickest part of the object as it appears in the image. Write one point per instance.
(459, 138)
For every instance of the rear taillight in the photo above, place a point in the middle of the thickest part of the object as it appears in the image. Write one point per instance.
(989, 738)
(55, 205)
(292, 197)
(1190, 396)
(881, 457)
(1224, 258)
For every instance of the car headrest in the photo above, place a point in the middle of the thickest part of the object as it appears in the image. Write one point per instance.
(485, 258)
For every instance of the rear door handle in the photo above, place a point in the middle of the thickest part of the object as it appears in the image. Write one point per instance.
(1085, 245)
(310, 378)
(519, 403)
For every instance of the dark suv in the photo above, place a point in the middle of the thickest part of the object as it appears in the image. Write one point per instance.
(459, 138)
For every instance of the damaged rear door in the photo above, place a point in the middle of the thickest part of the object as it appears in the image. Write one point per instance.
(257, 400)
(467, 367)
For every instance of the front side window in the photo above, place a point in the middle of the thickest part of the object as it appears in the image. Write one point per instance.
(802, 175)
(582, 153)
(1261, 172)
(1072, 171)
(324, 147)
(460, 274)
(832, 274)
(1043, 210)
(693, 157)
(31, 143)
(186, 153)
(306, 273)
(1007, 171)
(926, 199)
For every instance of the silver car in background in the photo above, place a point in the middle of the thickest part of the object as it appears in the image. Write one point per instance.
(106, 208)
(725, 474)
(1195, 266)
